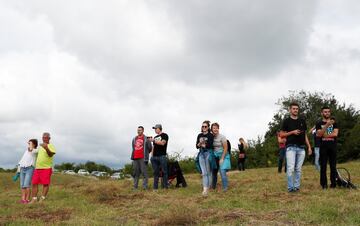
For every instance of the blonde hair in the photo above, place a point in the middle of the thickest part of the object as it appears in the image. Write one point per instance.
(243, 142)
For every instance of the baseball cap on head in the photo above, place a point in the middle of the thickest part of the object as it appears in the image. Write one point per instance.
(157, 126)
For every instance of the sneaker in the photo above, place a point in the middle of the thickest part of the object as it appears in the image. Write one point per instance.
(205, 193)
(42, 198)
(23, 201)
(290, 190)
(296, 189)
(34, 200)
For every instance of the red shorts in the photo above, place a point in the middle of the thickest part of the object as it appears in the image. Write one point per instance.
(42, 176)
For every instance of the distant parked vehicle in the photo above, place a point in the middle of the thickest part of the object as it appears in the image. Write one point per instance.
(117, 176)
(102, 174)
(93, 173)
(83, 172)
(70, 172)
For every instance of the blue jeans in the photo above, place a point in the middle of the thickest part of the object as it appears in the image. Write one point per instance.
(294, 160)
(157, 162)
(317, 157)
(26, 174)
(205, 168)
(224, 179)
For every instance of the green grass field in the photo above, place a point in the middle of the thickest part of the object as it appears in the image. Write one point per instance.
(256, 197)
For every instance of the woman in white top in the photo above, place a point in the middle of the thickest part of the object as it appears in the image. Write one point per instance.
(27, 164)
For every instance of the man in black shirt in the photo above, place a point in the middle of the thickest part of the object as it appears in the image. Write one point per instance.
(158, 159)
(294, 130)
(327, 130)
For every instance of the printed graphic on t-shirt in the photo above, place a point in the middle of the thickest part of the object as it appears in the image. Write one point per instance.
(328, 131)
(139, 144)
(157, 138)
(203, 141)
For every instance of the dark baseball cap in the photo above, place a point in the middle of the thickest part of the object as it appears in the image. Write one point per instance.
(157, 126)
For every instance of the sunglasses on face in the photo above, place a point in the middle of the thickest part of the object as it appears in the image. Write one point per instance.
(204, 127)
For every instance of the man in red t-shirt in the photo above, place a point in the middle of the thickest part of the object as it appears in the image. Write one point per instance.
(141, 146)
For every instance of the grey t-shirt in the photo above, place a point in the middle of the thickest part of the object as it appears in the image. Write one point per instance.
(218, 142)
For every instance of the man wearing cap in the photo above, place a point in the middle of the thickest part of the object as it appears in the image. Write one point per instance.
(43, 168)
(158, 159)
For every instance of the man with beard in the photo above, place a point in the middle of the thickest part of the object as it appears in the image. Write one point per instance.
(294, 130)
(327, 130)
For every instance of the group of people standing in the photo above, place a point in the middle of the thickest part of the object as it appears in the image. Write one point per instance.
(143, 148)
(293, 140)
(213, 156)
(35, 168)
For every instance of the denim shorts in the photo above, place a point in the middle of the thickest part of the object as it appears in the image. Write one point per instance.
(26, 174)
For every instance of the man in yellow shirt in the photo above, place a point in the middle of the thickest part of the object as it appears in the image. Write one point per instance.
(43, 168)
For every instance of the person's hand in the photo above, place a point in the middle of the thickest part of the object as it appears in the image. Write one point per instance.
(44, 145)
(296, 132)
(309, 151)
(328, 123)
(221, 161)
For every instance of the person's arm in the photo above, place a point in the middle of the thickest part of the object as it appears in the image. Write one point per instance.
(210, 142)
(312, 129)
(48, 151)
(197, 142)
(280, 139)
(224, 143)
(160, 142)
(322, 131)
(308, 145)
(334, 134)
(293, 132)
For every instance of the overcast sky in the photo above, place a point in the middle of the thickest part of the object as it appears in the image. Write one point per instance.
(90, 72)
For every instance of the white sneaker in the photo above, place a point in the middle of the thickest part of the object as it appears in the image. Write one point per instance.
(33, 200)
(42, 198)
(205, 192)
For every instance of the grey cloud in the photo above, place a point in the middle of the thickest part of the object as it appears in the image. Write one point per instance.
(103, 68)
(186, 40)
